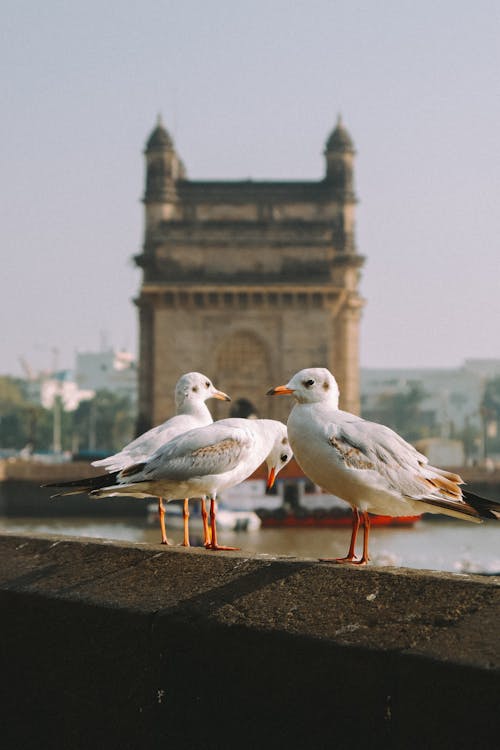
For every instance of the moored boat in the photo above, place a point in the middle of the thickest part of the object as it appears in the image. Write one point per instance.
(296, 501)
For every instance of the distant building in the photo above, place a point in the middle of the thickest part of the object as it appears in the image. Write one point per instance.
(108, 370)
(452, 398)
(45, 388)
(94, 371)
(247, 281)
(442, 451)
(486, 369)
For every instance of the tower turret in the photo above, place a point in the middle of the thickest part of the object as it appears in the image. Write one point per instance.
(163, 169)
(339, 153)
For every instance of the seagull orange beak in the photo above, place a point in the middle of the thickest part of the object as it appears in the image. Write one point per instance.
(280, 390)
(271, 477)
(221, 395)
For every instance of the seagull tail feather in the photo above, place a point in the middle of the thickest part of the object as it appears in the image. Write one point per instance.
(471, 508)
(79, 486)
(485, 507)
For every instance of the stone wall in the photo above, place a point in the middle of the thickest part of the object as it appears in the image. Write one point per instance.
(108, 645)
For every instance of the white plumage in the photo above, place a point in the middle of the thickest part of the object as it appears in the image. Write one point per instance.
(191, 392)
(205, 461)
(367, 464)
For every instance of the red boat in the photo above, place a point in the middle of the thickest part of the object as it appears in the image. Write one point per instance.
(296, 501)
(309, 519)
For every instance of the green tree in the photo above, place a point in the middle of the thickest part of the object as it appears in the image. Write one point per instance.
(470, 437)
(22, 422)
(490, 412)
(104, 423)
(11, 392)
(403, 412)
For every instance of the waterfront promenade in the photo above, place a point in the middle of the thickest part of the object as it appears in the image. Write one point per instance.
(124, 645)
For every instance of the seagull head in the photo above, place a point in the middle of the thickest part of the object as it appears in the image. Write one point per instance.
(280, 454)
(196, 387)
(309, 386)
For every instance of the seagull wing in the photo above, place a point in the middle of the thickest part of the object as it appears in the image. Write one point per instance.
(381, 445)
(363, 445)
(146, 444)
(204, 451)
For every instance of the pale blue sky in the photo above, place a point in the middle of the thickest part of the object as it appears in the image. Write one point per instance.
(251, 89)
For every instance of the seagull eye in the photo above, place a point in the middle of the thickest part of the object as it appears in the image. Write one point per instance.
(207, 384)
(284, 457)
(195, 388)
(309, 383)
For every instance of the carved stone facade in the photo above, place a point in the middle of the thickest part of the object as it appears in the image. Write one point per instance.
(247, 281)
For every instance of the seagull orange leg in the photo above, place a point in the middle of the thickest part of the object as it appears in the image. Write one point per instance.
(367, 535)
(351, 555)
(365, 557)
(161, 512)
(206, 529)
(213, 542)
(185, 518)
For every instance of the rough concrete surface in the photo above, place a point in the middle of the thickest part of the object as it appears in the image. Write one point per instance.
(130, 645)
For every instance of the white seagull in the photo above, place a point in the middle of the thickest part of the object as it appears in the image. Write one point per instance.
(367, 464)
(206, 461)
(191, 392)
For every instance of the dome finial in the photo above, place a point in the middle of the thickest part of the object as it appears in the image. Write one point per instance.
(160, 138)
(339, 139)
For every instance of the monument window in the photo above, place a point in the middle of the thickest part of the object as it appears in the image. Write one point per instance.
(242, 354)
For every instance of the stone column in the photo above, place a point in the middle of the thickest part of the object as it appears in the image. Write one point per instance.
(344, 353)
(146, 369)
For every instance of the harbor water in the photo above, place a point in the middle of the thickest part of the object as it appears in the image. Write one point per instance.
(436, 544)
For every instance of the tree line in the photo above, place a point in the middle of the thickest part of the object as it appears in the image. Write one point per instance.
(102, 424)
(106, 422)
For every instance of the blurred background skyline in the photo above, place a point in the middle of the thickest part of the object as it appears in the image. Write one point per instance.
(251, 90)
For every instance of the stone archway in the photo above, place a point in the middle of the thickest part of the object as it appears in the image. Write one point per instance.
(242, 365)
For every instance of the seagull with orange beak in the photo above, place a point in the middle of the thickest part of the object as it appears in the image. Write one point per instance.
(192, 390)
(367, 464)
(206, 461)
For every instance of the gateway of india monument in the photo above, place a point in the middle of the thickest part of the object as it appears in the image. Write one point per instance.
(247, 281)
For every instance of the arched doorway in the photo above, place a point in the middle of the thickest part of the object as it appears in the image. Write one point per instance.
(243, 408)
(242, 365)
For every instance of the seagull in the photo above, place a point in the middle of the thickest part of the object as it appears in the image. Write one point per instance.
(368, 464)
(191, 392)
(206, 461)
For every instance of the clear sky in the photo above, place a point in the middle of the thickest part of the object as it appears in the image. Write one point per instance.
(251, 89)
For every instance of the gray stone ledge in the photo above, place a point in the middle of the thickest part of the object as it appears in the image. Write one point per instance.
(442, 615)
(379, 650)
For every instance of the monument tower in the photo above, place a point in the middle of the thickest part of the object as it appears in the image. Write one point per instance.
(247, 281)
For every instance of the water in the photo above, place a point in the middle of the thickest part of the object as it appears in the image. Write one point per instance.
(431, 544)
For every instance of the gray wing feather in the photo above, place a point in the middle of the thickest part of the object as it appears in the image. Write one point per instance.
(200, 452)
(144, 446)
(368, 445)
